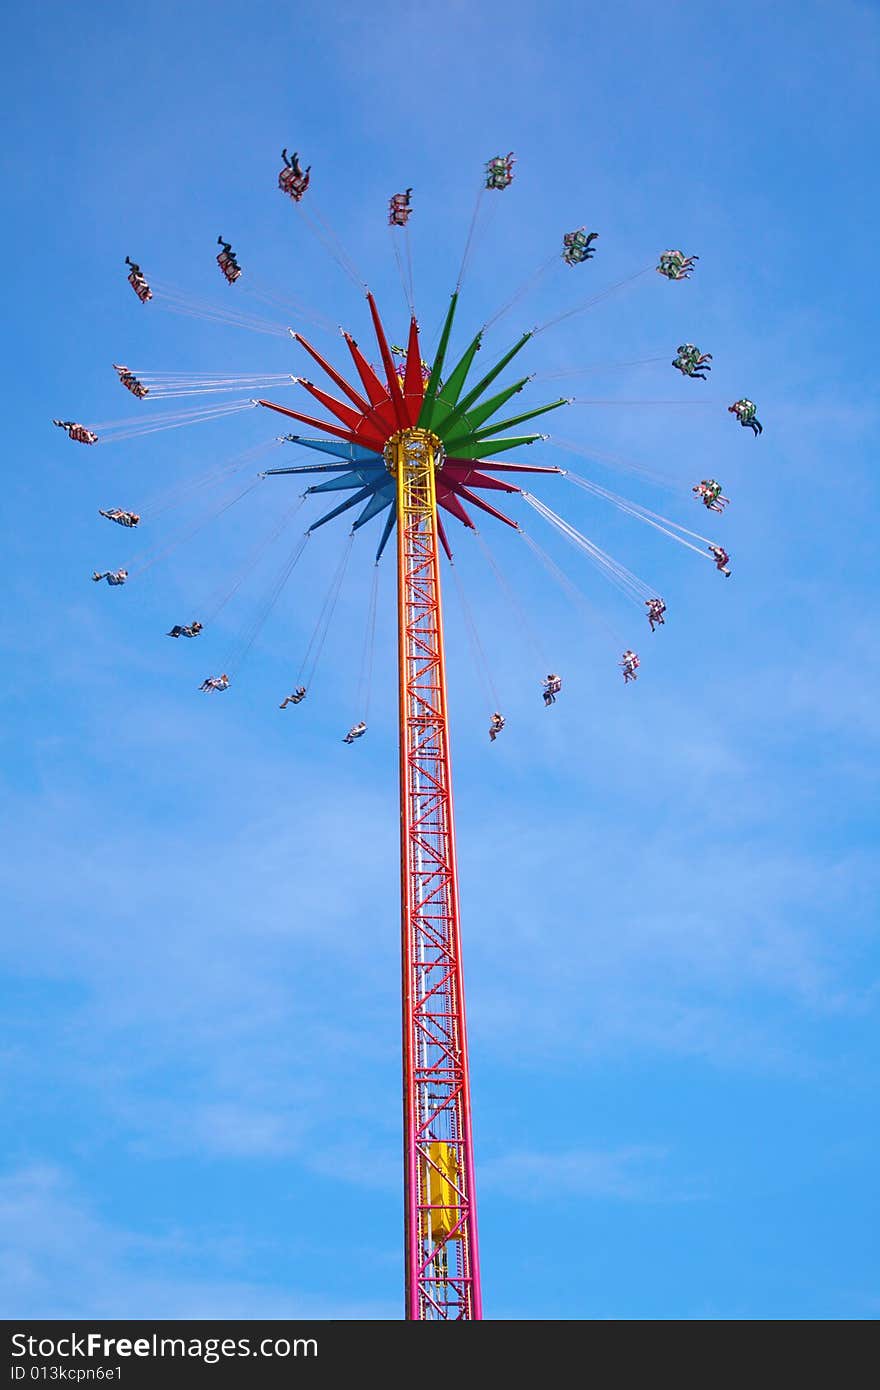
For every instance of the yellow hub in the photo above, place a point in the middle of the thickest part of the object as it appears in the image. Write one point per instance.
(415, 449)
(412, 456)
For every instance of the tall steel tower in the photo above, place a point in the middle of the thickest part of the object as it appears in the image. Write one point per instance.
(410, 443)
(442, 1260)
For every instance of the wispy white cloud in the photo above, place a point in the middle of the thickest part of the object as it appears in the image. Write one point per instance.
(713, 946)
(201, 902)
(241, 1001)
(638, 1173)
(61, 1259)
(377, 1166)
(212, 1012)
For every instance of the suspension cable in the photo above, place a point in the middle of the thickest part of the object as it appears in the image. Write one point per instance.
(522, 621)
(594, 299)
(477, 649)
(569, 587)
(635, 509)
(309, 664)
(131, 428)
(623, 579)
(271, 296)
(470, 237)
(597, 367)
(162, 417)
(334, 236)
(405, 286)
(150, 558)
(218, 598)
(583, 400)
(166, 387)
(523, 290)
(178, 301)
(663, 480)
(250, 635)
(325, 234)
(182, 491)
(407, 242)
(365, 677)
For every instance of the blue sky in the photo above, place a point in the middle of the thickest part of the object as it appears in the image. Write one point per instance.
(669, 894)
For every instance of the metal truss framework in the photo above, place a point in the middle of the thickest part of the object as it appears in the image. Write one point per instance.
(442, 1261)
(405, 446)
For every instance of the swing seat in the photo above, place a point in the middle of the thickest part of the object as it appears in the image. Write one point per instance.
(140, 287)
(229, 266)
(82, 435)
(294, 185)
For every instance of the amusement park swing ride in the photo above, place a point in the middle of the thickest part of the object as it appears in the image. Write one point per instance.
(415, 444)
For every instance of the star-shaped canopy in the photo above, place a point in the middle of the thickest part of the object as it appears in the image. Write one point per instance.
(403, 400)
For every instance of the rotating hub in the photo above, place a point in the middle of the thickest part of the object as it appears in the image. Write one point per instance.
(414, 449)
